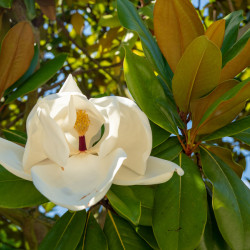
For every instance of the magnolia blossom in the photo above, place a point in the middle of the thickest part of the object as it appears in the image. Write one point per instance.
(77, 148)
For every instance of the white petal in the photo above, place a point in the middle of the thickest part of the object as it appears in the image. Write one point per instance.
(81, 183)
(11, 156)
(45, 139)
(53, 139)
(158, 171)
(70, 86)
(128, 128)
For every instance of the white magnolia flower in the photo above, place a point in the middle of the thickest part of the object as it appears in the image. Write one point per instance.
(65, 157)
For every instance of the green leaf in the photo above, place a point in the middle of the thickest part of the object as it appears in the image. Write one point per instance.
(14, 190)
(27, 74)
(147, 234)
(41, 76)
(230, 129)
(93, 236)
(159, 135)
(244, 136)
(66, 233)
(212, 238)
(125, 203)
(30, 9)
(121, 235)
(6, 3)
(233, 21)
(180, 209)
(228, 95)
(147, 91)
(236, 48)
(130, 19)
(15, 136)
(231, 201)
(110, 21)
(168, 150)
(145, 194)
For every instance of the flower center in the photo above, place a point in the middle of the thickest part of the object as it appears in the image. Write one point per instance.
(81, 126)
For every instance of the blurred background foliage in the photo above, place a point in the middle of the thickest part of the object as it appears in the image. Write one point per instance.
(90, 33)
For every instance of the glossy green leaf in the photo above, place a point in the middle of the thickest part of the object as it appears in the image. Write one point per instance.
(14, 190)
(130, 19)
(147, 91)
(233, 21)
(145, 194)
(147, 234)
(15, 136)
(180, 209)
(40, 77)
(168, 150)
(27, 74)
(30, 9)
(244, 136)
(231, 201)
(212, 238)
(226, 155)
(236, 48)
(159, 135)
(93, 236)
(121, 235)
(66, 233)
(230, 129)
(125, 203)
(6, 3)
(228, 95)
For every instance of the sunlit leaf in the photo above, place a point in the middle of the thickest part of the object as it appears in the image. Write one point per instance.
(176, 25)
(197, 72)
(16, 54)
(148, 91)
(227, 101)
(40, 77)
(231, 201)
(237, 64)
(216, 31)
(130, 19)
(212, 238)
(111, 21)
(180, 209)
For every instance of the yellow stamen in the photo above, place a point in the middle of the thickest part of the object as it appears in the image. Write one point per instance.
(82, 122)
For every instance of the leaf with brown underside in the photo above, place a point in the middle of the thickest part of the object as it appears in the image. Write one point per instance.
(176, 25)
(216, 32)
(197, 73)
(48, 8)
(16, 54)
(78, 22)
(224, 113)
(237, 64)
(226, 155)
